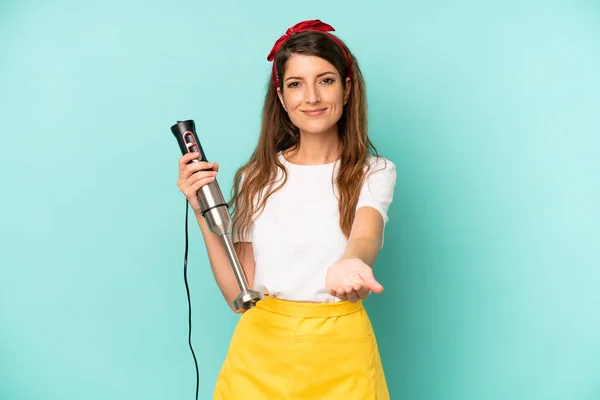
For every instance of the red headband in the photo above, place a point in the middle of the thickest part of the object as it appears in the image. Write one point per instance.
(311, 25)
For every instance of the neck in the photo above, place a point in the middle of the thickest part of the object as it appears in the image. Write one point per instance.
(316, 148)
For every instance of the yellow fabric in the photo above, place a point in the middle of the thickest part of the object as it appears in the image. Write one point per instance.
(288, 350)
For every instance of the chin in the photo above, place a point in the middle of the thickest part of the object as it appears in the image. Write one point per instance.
(316, 127)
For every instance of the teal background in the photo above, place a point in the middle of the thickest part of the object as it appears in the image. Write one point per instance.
(490, 111)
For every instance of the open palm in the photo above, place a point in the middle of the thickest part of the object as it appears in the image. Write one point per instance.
(351, 280)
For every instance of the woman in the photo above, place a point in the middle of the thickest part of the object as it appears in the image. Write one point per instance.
(310, 207)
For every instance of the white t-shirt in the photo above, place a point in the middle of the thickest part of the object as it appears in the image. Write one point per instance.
(297, 235)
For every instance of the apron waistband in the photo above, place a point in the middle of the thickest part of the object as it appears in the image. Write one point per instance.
(308, 309)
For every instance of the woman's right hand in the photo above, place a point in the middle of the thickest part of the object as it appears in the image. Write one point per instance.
(192, 177)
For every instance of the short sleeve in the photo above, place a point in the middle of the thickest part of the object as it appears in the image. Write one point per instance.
(378, 189)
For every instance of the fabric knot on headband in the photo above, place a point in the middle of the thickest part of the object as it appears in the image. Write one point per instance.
(305, 26)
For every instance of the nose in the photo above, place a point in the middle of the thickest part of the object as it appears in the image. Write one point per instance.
(311, 94)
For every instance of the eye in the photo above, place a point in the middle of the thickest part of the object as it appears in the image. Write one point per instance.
(293, 84)
(328, 81)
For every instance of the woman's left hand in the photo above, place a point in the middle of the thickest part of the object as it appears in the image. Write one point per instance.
(351, 280)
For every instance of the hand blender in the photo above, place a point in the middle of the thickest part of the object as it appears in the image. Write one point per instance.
(216, 213)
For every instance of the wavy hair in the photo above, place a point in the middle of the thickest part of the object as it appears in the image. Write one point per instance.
(254, 181)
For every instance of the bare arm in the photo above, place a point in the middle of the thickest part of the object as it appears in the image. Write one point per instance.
(376, 195)
(351, 278)
(192, 176)
(220, 265)
(366, 236)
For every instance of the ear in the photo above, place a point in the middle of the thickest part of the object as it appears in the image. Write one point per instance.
(280, 95)
(347, 88)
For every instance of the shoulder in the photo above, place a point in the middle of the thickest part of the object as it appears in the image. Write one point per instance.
(380, 161)
(377, 190)
(380, 169)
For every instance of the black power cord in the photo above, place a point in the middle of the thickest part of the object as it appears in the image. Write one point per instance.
(187, 289)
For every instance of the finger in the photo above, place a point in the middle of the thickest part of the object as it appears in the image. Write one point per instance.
(209, 165)
(350, 293)
(361, 291)
(199, 176)
(352, 296)
(370, 282)
(193, 189)
(185, 184)
(341, 293)
(198, 166)
(194, 169)
(331, 291)
(186, 158)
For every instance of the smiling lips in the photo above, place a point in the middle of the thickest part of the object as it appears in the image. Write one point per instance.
(314, 113)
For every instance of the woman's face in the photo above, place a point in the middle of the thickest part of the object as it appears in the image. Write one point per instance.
(312, 93)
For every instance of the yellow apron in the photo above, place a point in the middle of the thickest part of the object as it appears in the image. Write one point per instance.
(284, 350)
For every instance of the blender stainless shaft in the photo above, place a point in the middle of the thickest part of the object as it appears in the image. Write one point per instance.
(215, 211)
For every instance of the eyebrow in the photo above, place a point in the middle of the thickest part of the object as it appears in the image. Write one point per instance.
(318, 76)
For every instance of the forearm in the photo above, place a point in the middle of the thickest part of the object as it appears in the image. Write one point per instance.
(220, 264)
(365, 249)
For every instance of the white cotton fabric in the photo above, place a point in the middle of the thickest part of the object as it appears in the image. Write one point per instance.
(297, 235)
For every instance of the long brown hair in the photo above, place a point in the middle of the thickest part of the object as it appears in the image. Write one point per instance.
(278, 133)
